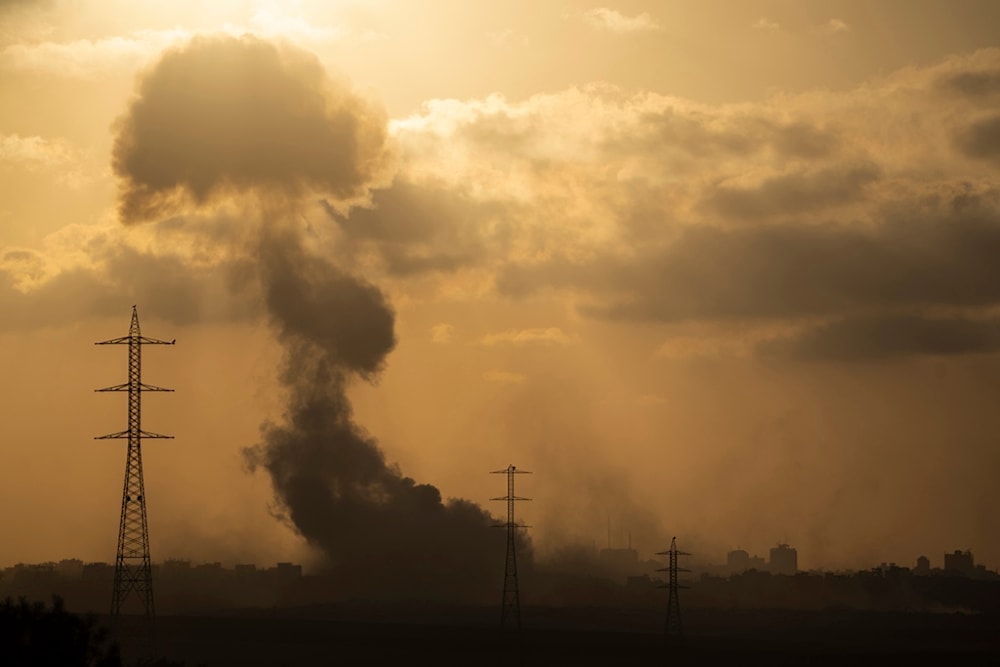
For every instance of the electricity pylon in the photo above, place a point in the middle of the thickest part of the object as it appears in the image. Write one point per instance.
(511, 596)
(133, 571)
(673, 626)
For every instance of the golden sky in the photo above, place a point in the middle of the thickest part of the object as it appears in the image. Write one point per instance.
(720, 270)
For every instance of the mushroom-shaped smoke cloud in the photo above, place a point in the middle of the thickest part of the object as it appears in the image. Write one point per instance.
(223, 120)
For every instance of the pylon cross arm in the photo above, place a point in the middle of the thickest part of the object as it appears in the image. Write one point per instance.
(112, 436)
(151, 387)
(122, 340)
(155, 341)
(147, 435)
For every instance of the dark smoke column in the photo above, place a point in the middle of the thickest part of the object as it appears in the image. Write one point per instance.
(226, 121)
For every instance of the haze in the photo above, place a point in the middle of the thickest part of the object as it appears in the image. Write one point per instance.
(726, 271)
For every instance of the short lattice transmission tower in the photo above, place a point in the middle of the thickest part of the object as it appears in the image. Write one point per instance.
(673, 626)
(511, 609)
(133, 571)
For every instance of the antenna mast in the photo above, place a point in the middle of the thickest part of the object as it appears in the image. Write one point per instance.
(511, 596)
(133, 572)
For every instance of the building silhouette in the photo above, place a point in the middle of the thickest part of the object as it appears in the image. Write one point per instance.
(959, 563)
(784, 560)
(739, 561)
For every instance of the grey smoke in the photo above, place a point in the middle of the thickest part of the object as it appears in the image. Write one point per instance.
(241, 117)
(226, 115)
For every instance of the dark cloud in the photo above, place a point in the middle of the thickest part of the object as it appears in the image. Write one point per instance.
(183, 293)
(75, 293)
(20, 254)
(423, 228)
(788, 271)
(703, 135)
(802, 140)
(226, 114)
(981, 139)
(693, 133)
(973, 84)
(794, 193)
(408, 213)
(872, 337)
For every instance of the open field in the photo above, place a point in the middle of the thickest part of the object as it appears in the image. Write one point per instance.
(379, 635)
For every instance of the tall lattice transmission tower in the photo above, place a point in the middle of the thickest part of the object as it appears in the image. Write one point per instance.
(511, 609)
(133, 572)
(673, 627)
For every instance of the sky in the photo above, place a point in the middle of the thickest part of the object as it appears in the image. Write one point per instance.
(719, 270)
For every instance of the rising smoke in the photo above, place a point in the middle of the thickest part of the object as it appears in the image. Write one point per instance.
(225, 119)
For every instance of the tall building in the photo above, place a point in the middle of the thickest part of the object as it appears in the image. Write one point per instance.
(737, 561)
(959, 562)
(784, 560)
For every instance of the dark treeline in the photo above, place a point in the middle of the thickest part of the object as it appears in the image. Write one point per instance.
(183, 588)
(32, 633)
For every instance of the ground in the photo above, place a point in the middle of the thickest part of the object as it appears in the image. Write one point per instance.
(376, 635)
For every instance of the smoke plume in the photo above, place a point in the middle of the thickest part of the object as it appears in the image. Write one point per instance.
(227, 118)
(222, 116)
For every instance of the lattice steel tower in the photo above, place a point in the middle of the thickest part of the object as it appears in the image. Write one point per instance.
(133, 571)
(673, 627)
(511, 597)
